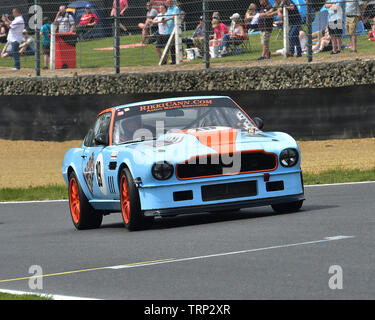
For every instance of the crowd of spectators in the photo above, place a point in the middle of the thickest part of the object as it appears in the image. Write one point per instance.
(265, 18)
(159, 24)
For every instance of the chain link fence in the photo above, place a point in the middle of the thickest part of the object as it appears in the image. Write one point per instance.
(112, 34)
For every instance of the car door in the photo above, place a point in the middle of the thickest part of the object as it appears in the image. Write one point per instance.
(92, 156)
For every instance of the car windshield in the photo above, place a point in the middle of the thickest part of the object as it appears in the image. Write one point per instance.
(149, 121)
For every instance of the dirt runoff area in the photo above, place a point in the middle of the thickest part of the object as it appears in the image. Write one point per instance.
(31, 163)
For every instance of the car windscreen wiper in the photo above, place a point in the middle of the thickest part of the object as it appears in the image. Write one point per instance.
(137, 140)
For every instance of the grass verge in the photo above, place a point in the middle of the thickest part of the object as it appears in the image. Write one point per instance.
(58, 192)
(8, 296)
(339, 176)
(51, 192)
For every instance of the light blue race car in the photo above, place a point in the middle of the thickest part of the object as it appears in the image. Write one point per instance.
(181, 155)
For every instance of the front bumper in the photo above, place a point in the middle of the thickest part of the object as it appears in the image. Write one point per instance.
(159, 200)
(225, 206)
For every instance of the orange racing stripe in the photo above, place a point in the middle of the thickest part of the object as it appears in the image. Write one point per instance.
(223, 140)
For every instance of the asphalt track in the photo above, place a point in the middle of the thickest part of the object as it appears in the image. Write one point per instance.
(254, 254)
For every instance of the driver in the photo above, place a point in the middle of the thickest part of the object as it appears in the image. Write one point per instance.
(129, 128)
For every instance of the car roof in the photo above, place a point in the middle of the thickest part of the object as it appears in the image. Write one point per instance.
(140, 103)
(168, 100)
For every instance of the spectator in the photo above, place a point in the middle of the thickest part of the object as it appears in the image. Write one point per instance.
(216, 15)
(3, 32)
(14, 36)
(6, 50)
(88, 20)
(236, 34)
(372, 32)
(252, 17)
(335, 24)
(27, 46)
(303, 41)
(45, 32)
(354, 10)
(265, 27)
(197, 39)
(64, 21)
(162, 37)
(324, 43)
(123, 7)
(295, 22)
(220, 29)
(369, 14)
(150, 15)
(172, 11)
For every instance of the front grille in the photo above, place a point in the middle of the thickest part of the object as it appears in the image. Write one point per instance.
(216, 165)
(229, 190)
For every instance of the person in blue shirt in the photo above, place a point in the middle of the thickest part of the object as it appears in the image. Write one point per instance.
(335, 23)
(172, 11)
(45, 32)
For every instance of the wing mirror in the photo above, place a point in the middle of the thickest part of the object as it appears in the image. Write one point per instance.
(102, 139)
(259, 123)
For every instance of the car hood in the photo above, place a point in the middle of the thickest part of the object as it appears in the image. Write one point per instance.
(183, 145)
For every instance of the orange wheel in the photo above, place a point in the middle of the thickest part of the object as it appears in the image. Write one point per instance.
(75, 208)
(132, 214)
(83, 214)
(125, 199)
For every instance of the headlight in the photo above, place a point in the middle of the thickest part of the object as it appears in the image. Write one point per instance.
(289, 157)
(162, 170)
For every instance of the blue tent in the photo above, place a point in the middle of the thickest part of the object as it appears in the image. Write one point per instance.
(77, 9)
(320, 22)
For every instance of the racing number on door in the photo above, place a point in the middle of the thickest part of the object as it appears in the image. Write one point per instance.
(99, 174)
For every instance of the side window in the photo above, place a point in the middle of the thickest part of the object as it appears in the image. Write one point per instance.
(101, 125)
(89, 139)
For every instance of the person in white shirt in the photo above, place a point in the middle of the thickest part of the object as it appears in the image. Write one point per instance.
(162, 37)
(14, 36)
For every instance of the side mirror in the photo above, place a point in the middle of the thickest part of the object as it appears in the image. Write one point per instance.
(259, 123)
(102, 139)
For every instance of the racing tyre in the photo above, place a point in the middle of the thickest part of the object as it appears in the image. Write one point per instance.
(132, 215)
(82, 213)
(287, 207)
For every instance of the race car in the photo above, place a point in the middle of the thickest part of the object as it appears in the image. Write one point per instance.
(176, 156)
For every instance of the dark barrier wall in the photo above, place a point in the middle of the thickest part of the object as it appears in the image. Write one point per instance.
(309, 114)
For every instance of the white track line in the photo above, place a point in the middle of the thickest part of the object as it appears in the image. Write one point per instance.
(45, 295)
(34, 201)
(326, 239)
(306, 186)
(339, 184)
